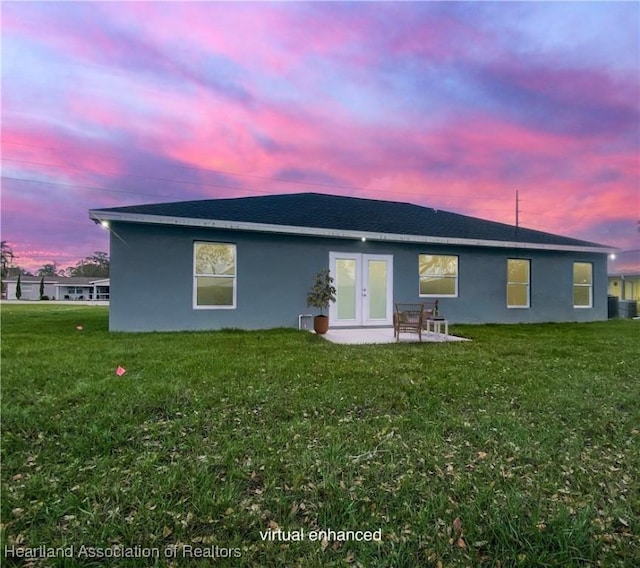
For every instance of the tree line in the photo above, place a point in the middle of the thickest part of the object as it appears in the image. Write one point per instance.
(95, 265)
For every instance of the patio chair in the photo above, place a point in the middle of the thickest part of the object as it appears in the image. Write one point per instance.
(430, 310)
(408, 318)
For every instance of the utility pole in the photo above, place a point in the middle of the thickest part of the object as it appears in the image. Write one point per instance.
(517, 236)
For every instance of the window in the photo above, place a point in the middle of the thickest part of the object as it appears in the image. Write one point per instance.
(214, 284)
(438, 275)
(582, 285)
(518, 270)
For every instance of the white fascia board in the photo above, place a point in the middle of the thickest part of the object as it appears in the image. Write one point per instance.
(624, 274)
(99, 216)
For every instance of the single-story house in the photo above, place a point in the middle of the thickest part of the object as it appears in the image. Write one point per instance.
(249, 263)
(30, 287)
(82, 288)
(59, 288)
(624, 275)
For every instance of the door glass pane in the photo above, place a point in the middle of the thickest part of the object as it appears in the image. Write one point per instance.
(377, 289)
(346, 288)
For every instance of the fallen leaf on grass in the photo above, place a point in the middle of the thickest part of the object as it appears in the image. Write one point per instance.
(457, 527)
(457, 533)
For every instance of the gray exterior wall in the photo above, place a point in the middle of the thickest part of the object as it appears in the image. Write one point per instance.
(152, 279)
(30, 289)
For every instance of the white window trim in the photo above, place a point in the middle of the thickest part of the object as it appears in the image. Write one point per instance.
(456, 277)
(590, 286)
(528, 284)
(195, 276)
(587, 307)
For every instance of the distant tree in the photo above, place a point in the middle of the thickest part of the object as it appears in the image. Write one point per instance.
(6, 258)
(13, 271)
(95, 265)
(42, 287)
(48, 270)
(18, 288)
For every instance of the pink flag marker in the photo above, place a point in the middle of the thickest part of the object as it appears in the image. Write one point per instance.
(120, 371)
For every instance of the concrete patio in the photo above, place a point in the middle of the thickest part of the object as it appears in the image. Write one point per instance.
(368, 336)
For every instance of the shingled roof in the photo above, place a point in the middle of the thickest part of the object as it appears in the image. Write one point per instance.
(332, 215)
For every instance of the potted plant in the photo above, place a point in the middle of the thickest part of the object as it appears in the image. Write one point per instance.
(320, 296)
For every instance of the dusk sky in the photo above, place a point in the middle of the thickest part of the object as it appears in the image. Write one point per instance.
(452, 105)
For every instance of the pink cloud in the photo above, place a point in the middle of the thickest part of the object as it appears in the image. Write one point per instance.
(331, 93)
(48, 153)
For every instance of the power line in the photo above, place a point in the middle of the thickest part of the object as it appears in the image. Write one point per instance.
(254, 176)
(168, 180)
(166, 196)
(519, 200)
(8, 178)
(448, 196)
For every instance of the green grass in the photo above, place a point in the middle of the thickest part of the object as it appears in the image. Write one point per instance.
(529, 435)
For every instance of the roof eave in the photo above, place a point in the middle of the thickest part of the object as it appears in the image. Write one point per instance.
(100, 215)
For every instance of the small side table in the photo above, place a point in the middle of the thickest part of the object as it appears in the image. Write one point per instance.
(435, 326)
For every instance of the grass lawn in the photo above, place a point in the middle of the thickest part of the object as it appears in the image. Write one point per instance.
(520, 448)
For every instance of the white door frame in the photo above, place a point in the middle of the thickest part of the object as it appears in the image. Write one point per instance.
(362, 307)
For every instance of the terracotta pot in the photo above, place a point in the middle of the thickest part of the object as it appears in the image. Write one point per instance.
(321, 324)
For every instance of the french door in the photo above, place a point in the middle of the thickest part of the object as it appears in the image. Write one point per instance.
(364, 289)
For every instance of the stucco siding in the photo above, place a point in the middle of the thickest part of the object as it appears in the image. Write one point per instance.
(30, 290)
(483, 280)
(152, 279)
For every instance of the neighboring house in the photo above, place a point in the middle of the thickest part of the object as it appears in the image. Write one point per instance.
(59, 288)
(30, 287)
(624, 275)
(249, 263)
(82, 288)
(101, 289)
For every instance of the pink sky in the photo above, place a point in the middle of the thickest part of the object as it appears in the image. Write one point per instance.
(451, 105)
